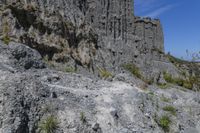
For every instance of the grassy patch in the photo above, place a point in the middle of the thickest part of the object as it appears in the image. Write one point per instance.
(168, 77)
(164, 122)
(187, 67)
(133, 69)
(6, 39)
(48, 125)
(165, 99)
(164, 85)
(158, 50)
(104, 73)
(6, 30)
(170, 109)
(173, 59)
(186, 83)
(82, 117)
(70, 69)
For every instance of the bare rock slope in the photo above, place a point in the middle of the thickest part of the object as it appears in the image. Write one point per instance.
(56, 54)
(34, 97)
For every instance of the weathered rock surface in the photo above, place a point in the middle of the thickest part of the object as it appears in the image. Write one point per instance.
(87, 34)
(84, 36)
(29, 95)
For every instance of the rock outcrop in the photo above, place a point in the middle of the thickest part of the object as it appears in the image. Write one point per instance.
(86, 34)
(33, 96)
(52, 54)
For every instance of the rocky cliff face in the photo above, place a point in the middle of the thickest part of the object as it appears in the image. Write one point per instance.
(35, 99)
(44, 41)
(85, 34)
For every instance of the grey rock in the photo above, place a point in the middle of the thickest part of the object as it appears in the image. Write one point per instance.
(29, 96)
(26, 57)
(86, 35)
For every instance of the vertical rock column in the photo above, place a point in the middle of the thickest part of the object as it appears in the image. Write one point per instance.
(151, 32)
(111, 17)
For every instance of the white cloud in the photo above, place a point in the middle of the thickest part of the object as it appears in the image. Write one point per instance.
(157, 12)
(152, 8)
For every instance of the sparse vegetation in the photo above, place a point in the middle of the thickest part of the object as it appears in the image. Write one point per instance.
(158, 50)
(164, 122)
(179, 81)
(104, 73)
(48, 125)
(170, 109)
(189, 69)
(175, 61)
(30, 7)
(6, 38)
(70, 69)
(167, 77)
(133, 69)
(82, 117)
(165, 99)
(164, 85)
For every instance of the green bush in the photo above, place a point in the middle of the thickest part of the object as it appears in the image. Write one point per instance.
(104, 73)
(188, 85)
(179, 81)
(82, 117)
(48, 125)
(165, 99)
(168, 77)
(164, 122)
(70, 69)
(6, 29)
(133, 69)
(170, 109)
(6, 39)
(163, 85)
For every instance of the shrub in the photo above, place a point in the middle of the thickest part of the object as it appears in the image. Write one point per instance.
(46, 58)
(133, 69)
(148, 81)
(188, 85)
(6, 39)
(163, 86)
(165, 99)
(170, 109)
(31, 7)
(104, 73)
(168, 77)
(6, 29)
(179, 81)
(82, 117)
(70, 69)
(48, 125)
(164, 122)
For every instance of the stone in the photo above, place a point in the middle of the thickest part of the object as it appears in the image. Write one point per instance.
(29, 96)
(45, 37)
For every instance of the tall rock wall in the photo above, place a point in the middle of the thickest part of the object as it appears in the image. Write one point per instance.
(111, 17)
(150, 31)
(85, 33)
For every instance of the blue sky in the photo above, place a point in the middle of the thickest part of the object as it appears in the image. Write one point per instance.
(180, 20)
